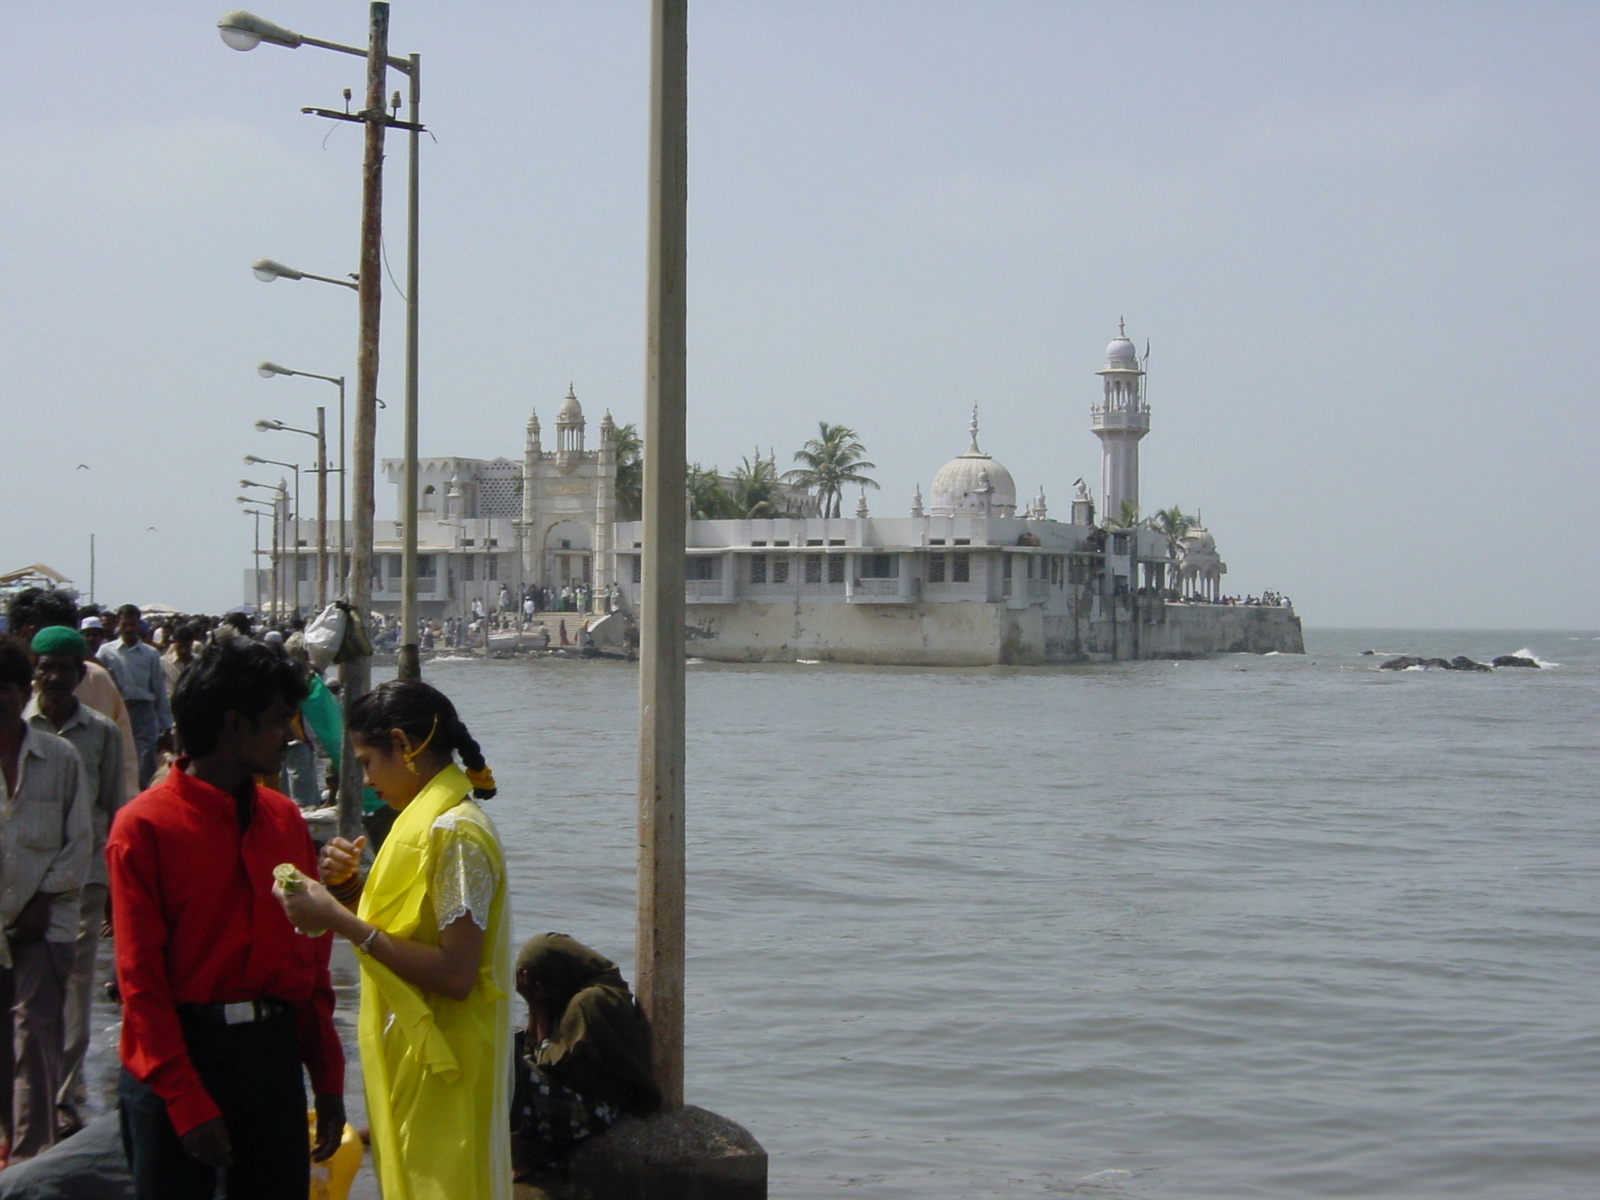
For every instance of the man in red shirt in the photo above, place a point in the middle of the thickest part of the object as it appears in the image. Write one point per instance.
(223, 1001)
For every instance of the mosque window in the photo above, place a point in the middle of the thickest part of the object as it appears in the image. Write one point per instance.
(936, 567)
(780, 568)
(878, 566)
(302, 567)
(491, 569)
(638, 568)
(835, 541)
(427, 568)
(935, 541)
(961, 568)
(836, 569)
(784, 543)
(758, 568)
(702, 567)
(469, 565)
(814, 567)
(1005, 566)
(813, 541)
(963, 541)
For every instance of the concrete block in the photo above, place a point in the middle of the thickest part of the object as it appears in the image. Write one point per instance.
(689, 1154)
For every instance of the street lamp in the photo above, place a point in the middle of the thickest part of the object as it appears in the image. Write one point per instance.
(251, 460)
(267, 370)
(255, 561)
(245, 31)
(266, 270)
(320, 435)
(279, 503)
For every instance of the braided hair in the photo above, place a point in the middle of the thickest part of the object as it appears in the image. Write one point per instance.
(422, 712)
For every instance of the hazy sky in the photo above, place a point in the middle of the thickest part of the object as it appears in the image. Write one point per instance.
(1361, 240)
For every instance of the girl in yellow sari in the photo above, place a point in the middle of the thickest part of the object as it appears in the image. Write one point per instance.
(431, 925)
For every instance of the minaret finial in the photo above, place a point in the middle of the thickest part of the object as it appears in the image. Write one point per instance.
(973, 429)
(1122, 328)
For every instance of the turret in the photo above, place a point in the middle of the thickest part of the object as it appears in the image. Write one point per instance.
(569, 430)
(1119, 421)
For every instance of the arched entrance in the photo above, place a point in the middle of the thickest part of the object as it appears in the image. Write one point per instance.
(568, 556)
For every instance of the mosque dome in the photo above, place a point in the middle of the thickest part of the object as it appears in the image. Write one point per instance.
(963, 484)
(1121, 355)
(571, 412)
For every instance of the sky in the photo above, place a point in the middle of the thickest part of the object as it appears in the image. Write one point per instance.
(1360, 240)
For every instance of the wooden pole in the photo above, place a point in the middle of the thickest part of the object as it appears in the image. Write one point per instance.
(410, 666)
(659, 948)
(356, 674)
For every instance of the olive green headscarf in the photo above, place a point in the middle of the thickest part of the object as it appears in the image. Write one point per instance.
(601, 1047)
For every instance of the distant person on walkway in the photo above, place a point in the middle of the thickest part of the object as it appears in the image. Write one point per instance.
(45, 844)
(58, 668)
(179, 658)
(144, 686)
(583, 1058)
(432, 935)
(222, 1001)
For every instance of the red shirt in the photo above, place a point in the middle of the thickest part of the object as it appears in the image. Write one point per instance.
(196, 923)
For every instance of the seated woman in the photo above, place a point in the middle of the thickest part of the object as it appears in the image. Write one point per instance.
(584, 1058)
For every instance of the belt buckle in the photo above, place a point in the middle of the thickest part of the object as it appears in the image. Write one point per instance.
(241, 1013)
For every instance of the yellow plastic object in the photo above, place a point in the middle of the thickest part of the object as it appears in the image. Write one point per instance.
(331, 1180)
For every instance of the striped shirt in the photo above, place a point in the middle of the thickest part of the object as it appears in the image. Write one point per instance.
(45, 836)
(99, 745)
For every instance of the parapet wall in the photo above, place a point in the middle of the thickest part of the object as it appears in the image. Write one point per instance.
(982, 634)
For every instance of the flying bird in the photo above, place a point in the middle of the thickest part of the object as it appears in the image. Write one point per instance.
(83, 466)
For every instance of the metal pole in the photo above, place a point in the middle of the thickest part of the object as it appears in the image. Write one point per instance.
(356, 675)
(410, 665)
(255, 563)
(344, 476)
(659, 961)
(322, 507)
(294, 542)
(91, 567)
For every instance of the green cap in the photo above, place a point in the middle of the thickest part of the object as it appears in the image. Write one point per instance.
(58, 639)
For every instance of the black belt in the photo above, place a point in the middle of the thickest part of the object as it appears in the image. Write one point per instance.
(243, 1012)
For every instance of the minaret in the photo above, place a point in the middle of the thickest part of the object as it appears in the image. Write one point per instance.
(569, 432)
(605, 507)
(1119, 421)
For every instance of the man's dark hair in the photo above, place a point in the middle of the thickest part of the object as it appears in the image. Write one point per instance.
(15, 664)
(239, 676)
(130, 610)
(35, 608)
(239, 621)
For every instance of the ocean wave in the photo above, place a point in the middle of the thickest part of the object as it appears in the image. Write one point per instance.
(1526, 653)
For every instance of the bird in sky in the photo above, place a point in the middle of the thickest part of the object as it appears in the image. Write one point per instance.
(83, 466)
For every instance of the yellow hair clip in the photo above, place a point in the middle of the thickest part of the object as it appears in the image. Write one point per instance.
(411, 754)
(482, 779)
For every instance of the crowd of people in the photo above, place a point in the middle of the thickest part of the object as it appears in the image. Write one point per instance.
(1265, 600)
(143, 764)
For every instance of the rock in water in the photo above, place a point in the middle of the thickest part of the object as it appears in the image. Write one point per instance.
(1515, 660)
(1462, 663)
(1404, 663)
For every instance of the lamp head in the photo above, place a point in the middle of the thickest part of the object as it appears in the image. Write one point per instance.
(245, 31)
(268, 369)
(267, 270)
(251, 459)
(265, 426)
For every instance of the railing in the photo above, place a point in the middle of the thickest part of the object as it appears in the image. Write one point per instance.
(702, 591)
(877, 587)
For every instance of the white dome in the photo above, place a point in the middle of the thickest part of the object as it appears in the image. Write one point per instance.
(1121, 354)
(571, 412)
(962, 484)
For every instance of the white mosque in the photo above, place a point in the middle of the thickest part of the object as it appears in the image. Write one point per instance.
(967, 579)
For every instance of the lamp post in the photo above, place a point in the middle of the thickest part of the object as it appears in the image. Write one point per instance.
(291, 533)
(280, 502)
(267, 270)
(320, 435)
(245, 31)
(255, 560)
(267, 370)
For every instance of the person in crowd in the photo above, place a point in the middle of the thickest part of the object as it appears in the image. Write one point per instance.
(222, 1000)
(45, 845)
(144, 686)
(178, 659)
(93, 628)
(583, 1058)
(58, 669)
(34, 609)
(431, 929)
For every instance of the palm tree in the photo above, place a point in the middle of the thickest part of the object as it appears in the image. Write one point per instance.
(833, 460)
(755, 488)
(1127, 518)
(1174, 523)
(628, 449)
(705, 495)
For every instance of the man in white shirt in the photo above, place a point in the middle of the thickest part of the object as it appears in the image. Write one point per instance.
(144, 687)
(45, 845)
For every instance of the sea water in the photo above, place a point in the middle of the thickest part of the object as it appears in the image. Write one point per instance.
(1278, 926)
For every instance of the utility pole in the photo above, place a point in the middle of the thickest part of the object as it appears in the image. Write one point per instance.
(410, 665)
(356, 674)
(322, 508)
(660, 941)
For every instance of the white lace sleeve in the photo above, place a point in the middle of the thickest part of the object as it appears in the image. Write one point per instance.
(463, 877)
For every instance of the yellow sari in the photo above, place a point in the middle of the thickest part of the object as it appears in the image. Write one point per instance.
(436, 1069)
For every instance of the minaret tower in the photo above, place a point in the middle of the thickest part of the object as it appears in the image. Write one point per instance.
(1119, 421)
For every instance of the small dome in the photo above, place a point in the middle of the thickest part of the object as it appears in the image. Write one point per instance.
(963, 484)
(571, 412)
(1121, 354)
